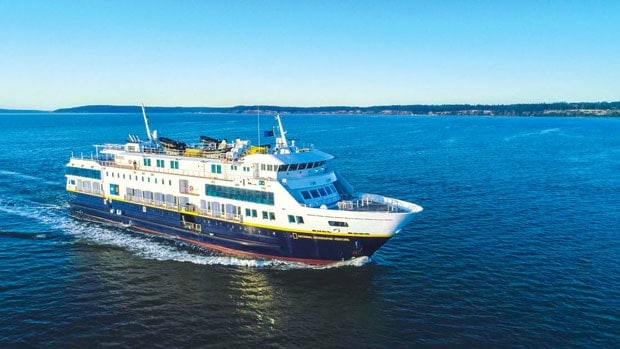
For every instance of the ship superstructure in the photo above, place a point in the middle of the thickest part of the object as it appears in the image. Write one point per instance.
(270, 201)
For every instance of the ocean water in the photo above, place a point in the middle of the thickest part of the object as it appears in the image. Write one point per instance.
(518, 245)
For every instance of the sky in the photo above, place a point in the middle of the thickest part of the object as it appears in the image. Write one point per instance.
(57, 54)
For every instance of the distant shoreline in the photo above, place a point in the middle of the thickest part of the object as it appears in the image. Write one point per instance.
(534, 109)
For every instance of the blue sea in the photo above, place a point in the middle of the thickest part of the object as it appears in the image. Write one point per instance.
(518, 244)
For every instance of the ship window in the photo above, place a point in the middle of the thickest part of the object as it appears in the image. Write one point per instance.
(272, 216)
(338, 224)
(291, 219)
(155, 180)
(254, 213)
(315, 194)
(306, 195)
(270, 167)
(174, 164)
(147, 162)
(322, 192)
(265, 215)
(160, 163)
(282, 168)
(248, 213)
(293, 167)
(302, 166)
(263, 167)
(84, 172)
(300, 220)
(328, 190)
(241, 194)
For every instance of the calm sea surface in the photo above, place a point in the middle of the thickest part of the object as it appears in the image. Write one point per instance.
(518, 245)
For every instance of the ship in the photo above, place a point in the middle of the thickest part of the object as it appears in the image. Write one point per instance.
(270, 201)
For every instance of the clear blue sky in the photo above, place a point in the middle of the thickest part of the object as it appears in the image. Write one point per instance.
(306, 53)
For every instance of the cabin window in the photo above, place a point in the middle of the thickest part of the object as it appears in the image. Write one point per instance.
(248, 212)
(291, 218)
(322, 192)
(300, 220)
(265, 215)
(293, 167)
(174, 164)
(254, 213)
(146, 162)
(306, 195)
(160, 163)
(269, 167)
(216, 168)
(114, 190)
(282, 168)
(328, 190)
(315, 193)
(338, 224)
(302, 166)
(272, 216)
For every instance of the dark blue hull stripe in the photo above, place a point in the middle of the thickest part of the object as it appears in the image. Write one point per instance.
(227, 236)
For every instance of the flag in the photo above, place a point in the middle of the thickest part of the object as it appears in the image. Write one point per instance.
(268, 133)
